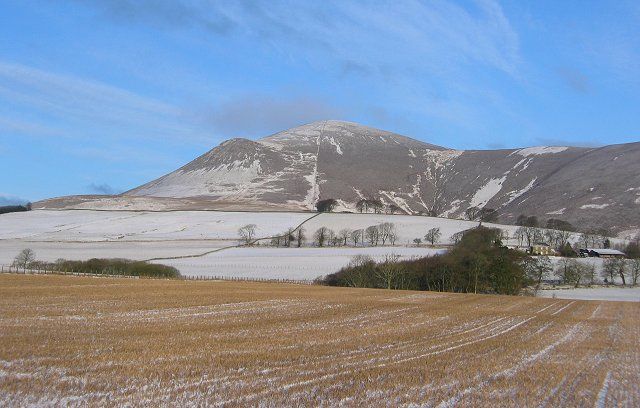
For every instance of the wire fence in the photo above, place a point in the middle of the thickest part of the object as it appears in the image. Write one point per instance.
(248, 279)
(35, 271)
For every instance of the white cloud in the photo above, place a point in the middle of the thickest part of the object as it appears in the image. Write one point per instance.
(68, 98)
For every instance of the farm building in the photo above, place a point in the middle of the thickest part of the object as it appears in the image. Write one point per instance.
(602, 253)
(542, 249)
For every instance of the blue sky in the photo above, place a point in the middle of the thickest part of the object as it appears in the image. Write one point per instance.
(99, 96)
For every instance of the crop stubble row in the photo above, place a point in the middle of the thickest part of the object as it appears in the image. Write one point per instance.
(116, 341)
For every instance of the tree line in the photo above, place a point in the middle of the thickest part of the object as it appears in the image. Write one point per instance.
(478, 263)
(5, 209)
(364, 205)
(26, 259)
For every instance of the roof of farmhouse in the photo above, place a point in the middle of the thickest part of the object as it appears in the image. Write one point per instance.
(603, 251)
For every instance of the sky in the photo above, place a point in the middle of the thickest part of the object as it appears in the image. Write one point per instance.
(100, 96)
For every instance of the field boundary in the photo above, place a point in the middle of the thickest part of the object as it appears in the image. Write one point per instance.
(233, 246)
(8, 269)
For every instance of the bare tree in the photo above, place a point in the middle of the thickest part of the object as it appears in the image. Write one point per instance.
(357, 236)
(550, 237)
(361, 266)
(386, 231)
(247, 233)
(622, 270)
(300, 236)
(537, 268)
(24, 258)
(362, 205)
(376, 205)
(590, 273)
(288, 237)
(634, 270)
(609, 269)
(417, 241)
(373, 234)
(388, 271)
(571, 271)
(531, 234)
(321, 235)
(344, 235)
(393, 208)
(519, 235)
(433, 235)
(393, 235)
(334, 239)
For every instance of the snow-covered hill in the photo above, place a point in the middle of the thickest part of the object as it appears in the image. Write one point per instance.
(293, 169)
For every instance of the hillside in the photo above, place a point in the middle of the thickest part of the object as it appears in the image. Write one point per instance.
(293, 169)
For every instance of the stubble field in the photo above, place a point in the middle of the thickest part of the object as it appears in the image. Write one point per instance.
(100, 341)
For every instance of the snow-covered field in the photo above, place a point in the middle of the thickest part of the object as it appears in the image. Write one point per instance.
(599, 293)
(84, 234)
(284, 263)
(86, 225)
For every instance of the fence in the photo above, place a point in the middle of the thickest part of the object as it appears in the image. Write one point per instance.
(29, 271)
(249, 279)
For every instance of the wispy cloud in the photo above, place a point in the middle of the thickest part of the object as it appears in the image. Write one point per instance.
(69, 98)
(164, 13)
(574, 79)
(431, 51)
(258, 115)
(380, 35)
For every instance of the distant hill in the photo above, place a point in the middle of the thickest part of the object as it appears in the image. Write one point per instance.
(293, 169)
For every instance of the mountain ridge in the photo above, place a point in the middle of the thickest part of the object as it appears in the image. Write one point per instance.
(294, 168)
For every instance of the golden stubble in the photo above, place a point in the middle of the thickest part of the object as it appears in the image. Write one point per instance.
(101, 341)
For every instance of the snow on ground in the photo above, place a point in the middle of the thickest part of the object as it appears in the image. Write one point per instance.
(594, 206)
(538, 150)
(79, 234)
(82, 234)
(487, 192)
(139, 250)
(600, 293)
(75, 225)
(190, 183)
(285, 263)
(408, 227)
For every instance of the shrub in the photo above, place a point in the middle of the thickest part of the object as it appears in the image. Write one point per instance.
(478, 263)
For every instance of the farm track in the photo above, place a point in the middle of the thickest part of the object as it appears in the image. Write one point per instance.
(80, 341)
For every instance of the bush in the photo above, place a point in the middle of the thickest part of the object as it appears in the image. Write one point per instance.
(478, 263)
(115, 266)
(15, 208)
(326, 205)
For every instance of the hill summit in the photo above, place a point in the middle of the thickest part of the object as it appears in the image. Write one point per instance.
(346, 161)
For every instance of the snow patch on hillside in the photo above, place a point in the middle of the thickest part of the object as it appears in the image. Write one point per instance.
(440, 157)
(399, 201)
(487, 192)
(594, 206)
(557, 212)
(513, 195)
(539, 150)
(332, 141)
(455, 206)
(223, 180)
